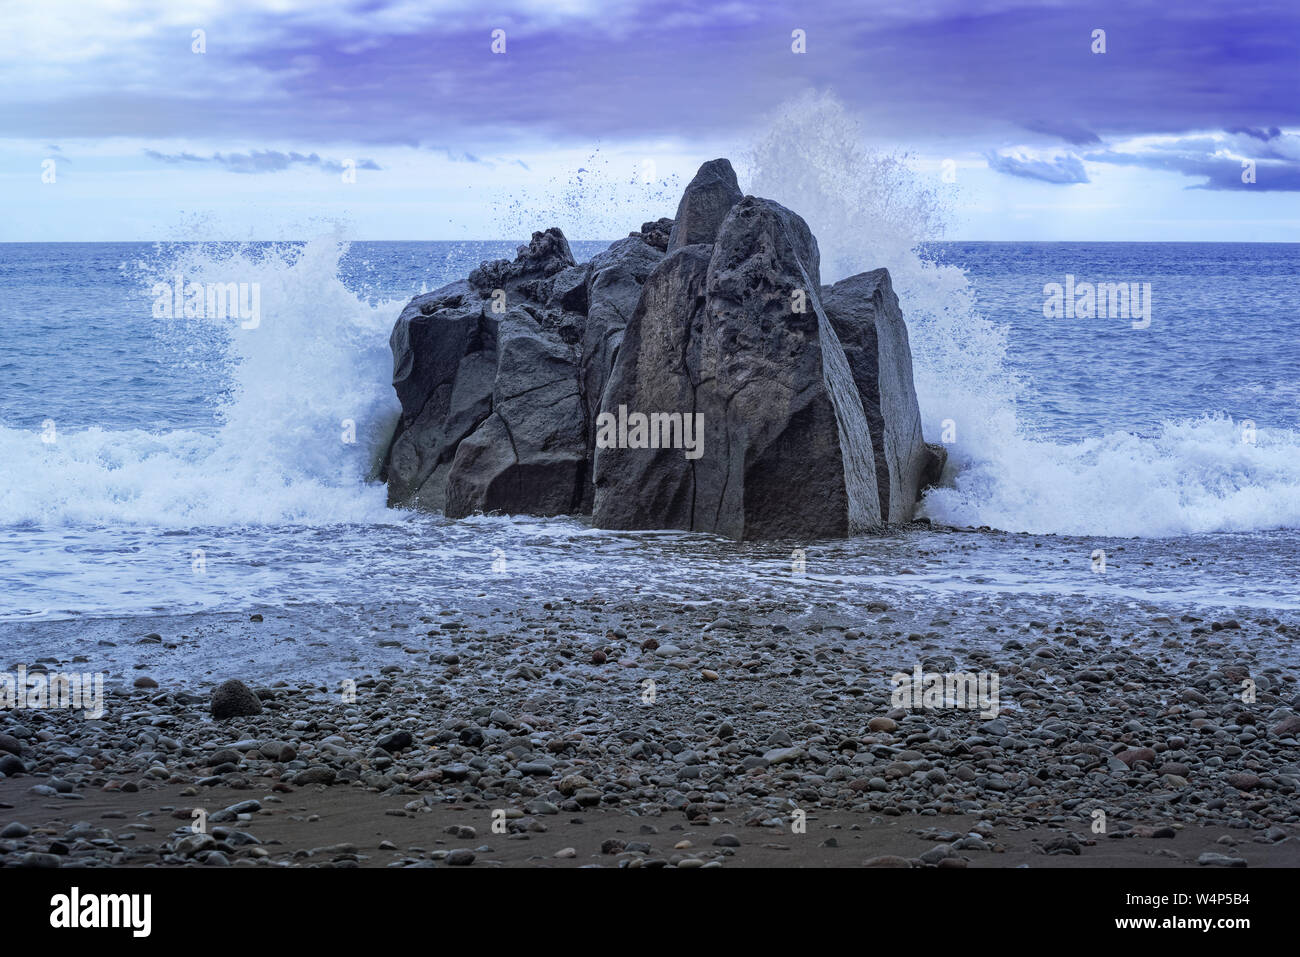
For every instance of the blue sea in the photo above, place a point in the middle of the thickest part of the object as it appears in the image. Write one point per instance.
(156, 465)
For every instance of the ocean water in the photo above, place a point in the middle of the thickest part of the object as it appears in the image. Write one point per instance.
(153, 465)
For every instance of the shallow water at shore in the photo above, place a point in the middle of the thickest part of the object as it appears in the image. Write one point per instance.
(85, 572)
(348, 586)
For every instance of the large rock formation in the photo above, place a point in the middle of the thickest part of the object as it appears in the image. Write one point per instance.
(695, 375)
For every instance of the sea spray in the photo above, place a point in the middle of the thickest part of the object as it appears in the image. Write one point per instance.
(307, 410)
(870, 209)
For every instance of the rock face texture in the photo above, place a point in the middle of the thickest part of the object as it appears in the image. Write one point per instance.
(488, 373)
(752, 359)
(705, 204)
(695, 375)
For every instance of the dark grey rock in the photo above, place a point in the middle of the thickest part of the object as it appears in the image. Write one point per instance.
(279, 751)
(11, 765)
(488, 375)
(232, 813)
(708, 199)
(654, 488)
(735, 333)
(865, 313)
(1211, 859)
(192, 844)
(655, 234)
(545, 255)
(225, 756)
(529, 456)
(397, 741)
(617, 277)
(444, 365)
(234, 699)
(317, 774)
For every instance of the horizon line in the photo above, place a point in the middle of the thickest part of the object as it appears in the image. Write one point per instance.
(510, 239)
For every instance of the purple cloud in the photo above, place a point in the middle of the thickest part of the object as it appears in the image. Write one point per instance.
(1060, 169)
(1219, 172)
(261, 161)
(1238, 159)
(1073, 133)
(948, 69)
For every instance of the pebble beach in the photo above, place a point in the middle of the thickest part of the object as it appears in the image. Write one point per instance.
(649, 732)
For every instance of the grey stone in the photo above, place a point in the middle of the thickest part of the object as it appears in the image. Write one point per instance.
(279, 751)
(704, 205)
(234, 699)
(397, 741)
(11, 765)
(1211, 859)
(317, 774)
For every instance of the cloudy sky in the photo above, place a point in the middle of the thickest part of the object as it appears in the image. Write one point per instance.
(397, 120)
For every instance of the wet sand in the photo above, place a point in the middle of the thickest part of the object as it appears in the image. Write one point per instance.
(350, 827)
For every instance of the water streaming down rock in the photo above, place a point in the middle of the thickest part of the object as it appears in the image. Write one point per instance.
(864, 313)
(860, 476)
(507, 380)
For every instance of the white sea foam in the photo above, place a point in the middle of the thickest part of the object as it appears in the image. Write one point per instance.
(319, 357)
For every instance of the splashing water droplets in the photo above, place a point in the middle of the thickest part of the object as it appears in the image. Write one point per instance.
(868, 210)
